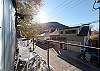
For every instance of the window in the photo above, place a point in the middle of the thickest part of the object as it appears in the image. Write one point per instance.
(73, 31)
(61, 32)
(66, 32)
(70, 32)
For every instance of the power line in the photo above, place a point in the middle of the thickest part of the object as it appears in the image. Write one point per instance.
(90, 10)
(64, 3)
(71, 5)
(75, 5)
(96, 21)
(61, 4)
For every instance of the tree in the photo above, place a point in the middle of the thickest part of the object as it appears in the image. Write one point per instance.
(26, 12)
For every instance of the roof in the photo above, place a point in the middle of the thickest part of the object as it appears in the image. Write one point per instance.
(71, 27)
(56, 32)
(45, 35)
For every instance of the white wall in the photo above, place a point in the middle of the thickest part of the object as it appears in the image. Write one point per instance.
(1, 18)
(8, 36)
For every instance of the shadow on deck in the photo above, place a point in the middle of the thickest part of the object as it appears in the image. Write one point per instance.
(72, 58)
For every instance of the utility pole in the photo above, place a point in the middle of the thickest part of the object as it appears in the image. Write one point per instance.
(48, 55)
(98, 1)
(99, 39)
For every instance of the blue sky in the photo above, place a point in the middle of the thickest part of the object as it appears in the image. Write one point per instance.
(71, 12)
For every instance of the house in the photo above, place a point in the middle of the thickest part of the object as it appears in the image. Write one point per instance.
(43, 36)
(50, 28)
(67, 34)
(60, 32)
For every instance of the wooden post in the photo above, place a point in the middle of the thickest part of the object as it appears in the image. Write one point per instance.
(48, 55)
(33, 44)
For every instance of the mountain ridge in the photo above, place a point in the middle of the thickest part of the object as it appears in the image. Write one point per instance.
(51, 26)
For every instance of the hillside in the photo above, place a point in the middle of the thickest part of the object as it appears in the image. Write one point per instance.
(52, 26)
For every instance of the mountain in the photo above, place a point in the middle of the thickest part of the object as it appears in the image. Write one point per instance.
(52, 26)
(55, 25)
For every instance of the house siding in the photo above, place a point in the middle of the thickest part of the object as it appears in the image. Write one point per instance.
(71, 36)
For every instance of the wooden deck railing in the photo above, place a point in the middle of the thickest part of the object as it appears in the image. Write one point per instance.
(73, 44)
